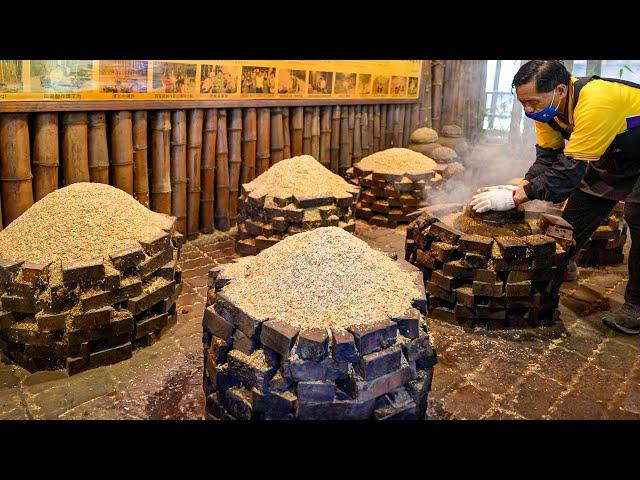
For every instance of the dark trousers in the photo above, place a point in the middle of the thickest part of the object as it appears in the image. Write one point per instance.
(586, 212)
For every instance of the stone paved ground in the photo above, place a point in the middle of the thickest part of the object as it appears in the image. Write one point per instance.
(577, 369)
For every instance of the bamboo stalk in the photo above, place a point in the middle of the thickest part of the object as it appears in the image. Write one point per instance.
(325, 137)
(207, 169)
(179, 169)
(15, 165)
(406, 127)
(397, 126)
(297, 127)
(390, 124)
(98, 149)
(415, 120)
(45, 155)
(222, 174)
(306, 131)
(364, 131)
(377, 128)
(160, 163)
(286, 129)
(194, 158)
(344, 140)
(140, 166)
(357, 136)
(352, 123)
(424, 114)
(122, 151)
(235, 161)
(75, 149)
(438, 80)
(315, 133)
(277, 136)
(371, 121)
(335, 139)
(264, 133)
(249, 138)
(383, 128)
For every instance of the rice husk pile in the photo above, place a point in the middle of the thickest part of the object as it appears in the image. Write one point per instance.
(424, 135)
(298, 176)
(397, 161)
(444, 154)
(322, 278)
(79, 222)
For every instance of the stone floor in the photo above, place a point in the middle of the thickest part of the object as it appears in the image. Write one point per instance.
(577, 369)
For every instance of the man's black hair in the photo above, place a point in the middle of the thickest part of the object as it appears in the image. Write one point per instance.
(548, 74)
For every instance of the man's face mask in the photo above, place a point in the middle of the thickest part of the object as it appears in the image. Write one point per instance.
(546, 114)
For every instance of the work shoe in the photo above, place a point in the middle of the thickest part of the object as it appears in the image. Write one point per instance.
(625, 319)
(571, 273)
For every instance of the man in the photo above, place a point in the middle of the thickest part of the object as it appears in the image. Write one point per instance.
(600, 118)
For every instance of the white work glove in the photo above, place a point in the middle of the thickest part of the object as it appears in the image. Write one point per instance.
(499, 200)
(498, 187)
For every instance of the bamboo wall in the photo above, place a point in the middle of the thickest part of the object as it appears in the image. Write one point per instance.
(189, 163)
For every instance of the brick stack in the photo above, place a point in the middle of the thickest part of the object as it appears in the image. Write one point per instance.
(87, 314)
(264, 220)
(497, 282)
(605, 247)
(271, 370)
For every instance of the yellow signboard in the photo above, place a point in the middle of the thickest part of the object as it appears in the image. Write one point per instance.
(78, 80)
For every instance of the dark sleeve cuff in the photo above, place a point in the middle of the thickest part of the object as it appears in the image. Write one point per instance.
(529, 190)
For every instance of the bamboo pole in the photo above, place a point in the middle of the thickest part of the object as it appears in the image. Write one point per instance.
(396, 133)
(140, 166)
(357, 135)
(160, 163)
(98, 149)
(315, 133)
(406, 127)
(222, 174)
(352, 123)
(286, 129)
(424, 119)
(364, 134)
(377, 127)
(122, 151)
(414, 121)
(194, 158)
(335, 139)
(391, 116)
(179, 169)
(235, 161)
(325, 137)
(75, 149)
(249, 138)
(469, 97)
(438, 81)
(481, 99)
(371, 121)
(207, 169)
(277, 136)
(297, 127)
(306, 131)
(15, 165)
(264, 133)
(45, 155)
(344, 140)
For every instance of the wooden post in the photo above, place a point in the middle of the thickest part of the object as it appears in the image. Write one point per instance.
(315, 133)
(75, 149)
(425, 108)
(45, 155)
(335, 139)
(277, 136)
(207, 169)
(364, 131)
(222, 174)
(249, 138)
(235, 160)
(352, 124)
(306, 131)
(179, 169)
(194, 157)
(357, 136)
(286, 129)
(98, 149)
(122, 151)
(344, 140)
(264, 133)
(325, 137)
(438, 81)
(160, 163)
(15, 165)
(406, 127)
(297, 126)
(140, 166)
(377, 127)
